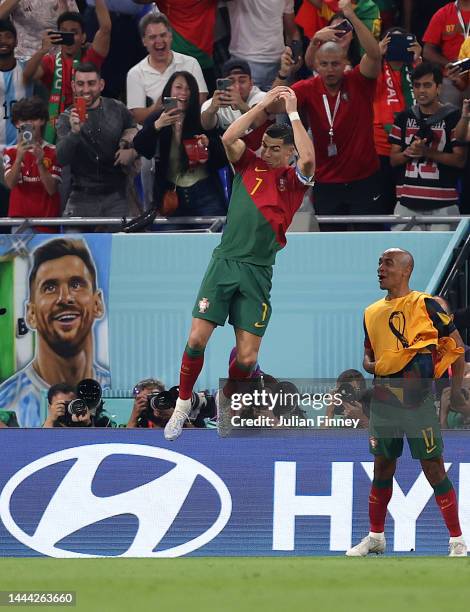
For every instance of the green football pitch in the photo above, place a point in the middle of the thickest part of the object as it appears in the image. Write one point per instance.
(331, 584)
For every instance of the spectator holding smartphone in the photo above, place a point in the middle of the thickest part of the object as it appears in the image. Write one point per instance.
(55, 71)
(340, 31)
(339, 106)
(234, 96)
(314, 15)
(31, 169)
(447, 31)
(97, 146)
(186, 165)
(31, 18)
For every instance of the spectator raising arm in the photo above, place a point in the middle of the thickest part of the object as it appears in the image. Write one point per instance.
(7, 8)
(102, 39)
(33, 71)
(407, 14)
(431, 53)
(291, 31)
(371, 62)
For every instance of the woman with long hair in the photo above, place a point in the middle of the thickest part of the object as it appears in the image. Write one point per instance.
(187, 158)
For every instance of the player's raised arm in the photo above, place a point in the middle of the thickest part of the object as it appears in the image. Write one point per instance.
(303, 142)
(233, 144)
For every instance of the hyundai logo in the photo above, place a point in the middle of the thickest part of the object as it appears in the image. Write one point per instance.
(156, 504)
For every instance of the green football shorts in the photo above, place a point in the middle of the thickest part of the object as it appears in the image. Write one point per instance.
(237, 290)
(388, 424)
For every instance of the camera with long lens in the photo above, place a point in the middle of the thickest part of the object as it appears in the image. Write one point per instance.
(90, 391)
(75, 407)
(161, 402)
(89, 399)
(285, 395)
(349, 394)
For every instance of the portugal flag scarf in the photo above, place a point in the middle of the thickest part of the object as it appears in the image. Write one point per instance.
(57, 96)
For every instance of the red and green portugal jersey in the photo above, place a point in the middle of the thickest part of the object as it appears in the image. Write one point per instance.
(193, 23)
(261, 208)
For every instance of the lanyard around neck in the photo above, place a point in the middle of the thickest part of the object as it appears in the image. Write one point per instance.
(331, 119)
(465, 28)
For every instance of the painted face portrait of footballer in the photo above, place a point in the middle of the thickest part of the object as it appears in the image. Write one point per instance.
(62, 304)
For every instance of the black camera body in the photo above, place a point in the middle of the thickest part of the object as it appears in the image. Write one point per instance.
(164, 401)
(349, 394)
(76, 407)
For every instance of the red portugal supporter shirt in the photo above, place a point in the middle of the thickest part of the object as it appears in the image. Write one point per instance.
(262, 205)
(356, 157)
(29, 197)
(445, 31)
(193, 23)
(48, 65)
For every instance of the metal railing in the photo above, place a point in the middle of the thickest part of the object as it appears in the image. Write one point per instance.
(216, 223)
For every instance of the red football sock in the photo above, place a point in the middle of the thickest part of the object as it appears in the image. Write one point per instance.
(447, 501)
(380, 495)
(236, 371)
(191, 366)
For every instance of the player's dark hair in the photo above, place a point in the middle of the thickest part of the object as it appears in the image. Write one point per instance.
(29, 109)
(71, 16)
(426, 68)
(59, 388)
(153, 18)
(88, 67)
(7, 26)
(57, 248)
(281, 131)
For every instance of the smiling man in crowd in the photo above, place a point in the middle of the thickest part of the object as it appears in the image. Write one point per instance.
(64, 302)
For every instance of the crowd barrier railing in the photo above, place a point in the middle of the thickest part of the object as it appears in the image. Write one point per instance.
(215, 224)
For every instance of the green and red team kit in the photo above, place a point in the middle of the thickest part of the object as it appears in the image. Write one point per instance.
(237, 282)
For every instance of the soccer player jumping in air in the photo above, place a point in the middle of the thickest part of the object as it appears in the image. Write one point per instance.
(409, 341)
(266, 194)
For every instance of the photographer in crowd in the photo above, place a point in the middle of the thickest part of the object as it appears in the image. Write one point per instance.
(154, 406)
(77, 407)
(59, 397)
(351, 385)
